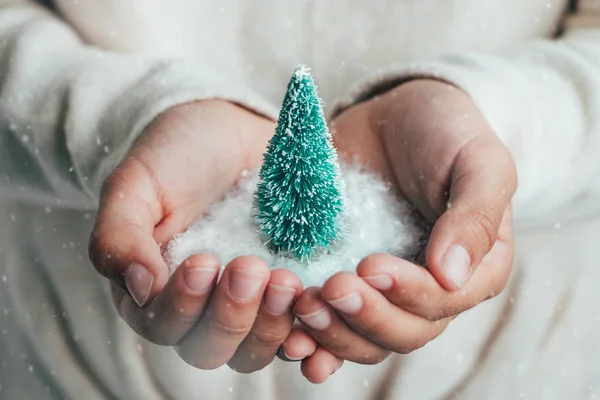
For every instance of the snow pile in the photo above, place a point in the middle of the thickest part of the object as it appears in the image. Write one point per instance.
(375, 221)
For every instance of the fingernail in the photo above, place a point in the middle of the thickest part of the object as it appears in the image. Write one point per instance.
(199, 280)
(349, 304)
(380, 282)
(138, 281)
(278, 299)
(291, 358)
(457, 263)
(245, 285)
(318, 320)
(305, 349)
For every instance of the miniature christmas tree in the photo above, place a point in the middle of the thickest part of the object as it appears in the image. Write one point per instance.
(298, 201)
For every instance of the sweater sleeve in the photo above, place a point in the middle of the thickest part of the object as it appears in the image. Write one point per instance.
(69, 112)
(543, 100)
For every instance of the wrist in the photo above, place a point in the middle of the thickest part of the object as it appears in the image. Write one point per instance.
(419, 90)
(421, 98)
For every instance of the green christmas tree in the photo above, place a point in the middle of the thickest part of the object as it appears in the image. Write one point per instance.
(298, 201)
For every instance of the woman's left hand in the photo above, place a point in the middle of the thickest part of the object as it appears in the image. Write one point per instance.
(432, 144)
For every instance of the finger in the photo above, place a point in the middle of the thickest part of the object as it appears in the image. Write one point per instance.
(298, 345)
(122, 247)
(367, 311)
(230, 314)
(414, 288)
(482, 183)
(272, 326)
(332, 333)
(320, 366)
(178, 307)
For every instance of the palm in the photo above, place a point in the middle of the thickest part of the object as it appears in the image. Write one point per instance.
(191, 157)
(418, 167)
(426, 150)
(429, 141)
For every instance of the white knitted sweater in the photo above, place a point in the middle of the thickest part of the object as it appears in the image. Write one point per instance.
(80, 80)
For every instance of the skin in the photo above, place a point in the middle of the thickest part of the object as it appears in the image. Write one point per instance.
(188, 157)
(426, 138)
(431, 143)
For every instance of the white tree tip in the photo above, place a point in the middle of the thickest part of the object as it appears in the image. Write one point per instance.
(301, 71)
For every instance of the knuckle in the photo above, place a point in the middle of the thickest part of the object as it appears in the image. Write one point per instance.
(229, 328)
(483, 223)
(267, 339)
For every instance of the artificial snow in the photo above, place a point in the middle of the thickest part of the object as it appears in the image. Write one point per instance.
(375, 221)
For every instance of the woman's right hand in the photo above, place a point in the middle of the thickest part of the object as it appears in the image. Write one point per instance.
(188, 157)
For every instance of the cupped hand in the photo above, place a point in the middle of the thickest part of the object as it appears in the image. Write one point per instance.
(431, 143)
(188, 157)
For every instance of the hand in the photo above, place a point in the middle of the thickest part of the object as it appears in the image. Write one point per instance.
(431, 143)
(188, 157)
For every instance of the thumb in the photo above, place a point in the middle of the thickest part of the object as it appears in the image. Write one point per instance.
(122, 247)
(483, 181)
